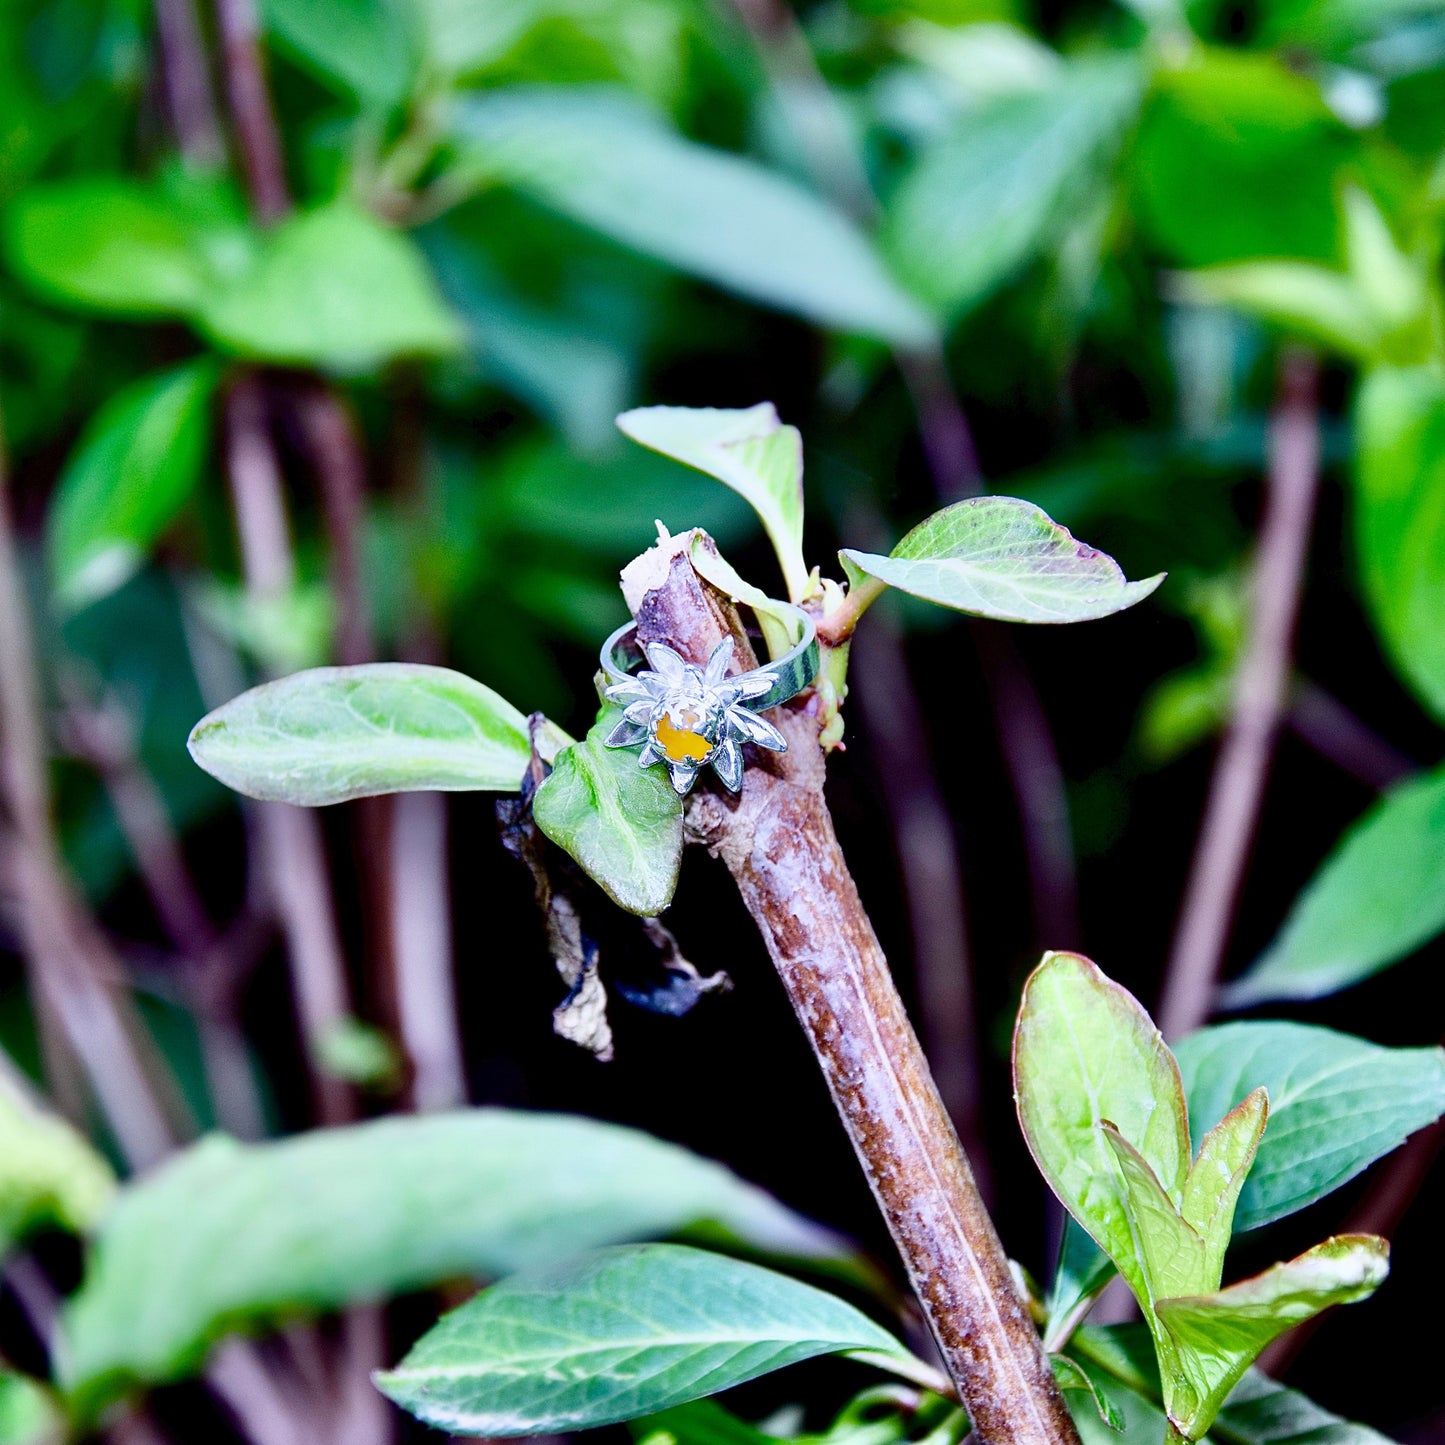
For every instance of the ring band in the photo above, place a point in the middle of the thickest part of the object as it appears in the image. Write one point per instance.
(688, 717)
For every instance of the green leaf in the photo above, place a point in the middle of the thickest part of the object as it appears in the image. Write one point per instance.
(603, 161)
(750, 451)
(1309, 301)
(1377, 897)
(49, 1174)
(1211, 1192)
(989, 194)
(1258, 1412)
(1083, 1269)
(1074, 1378)
(335, 733)
(1336, 1104)
(124, 248)
(134, 468)
(615, 1335)
(1400, 520)
(1238, 158)
(1220, 1335)
(1003, 558)
(363, 46)
(622, 823)
(27, 1414)
(231, 1235)
(1085, 1053)
(333, 288)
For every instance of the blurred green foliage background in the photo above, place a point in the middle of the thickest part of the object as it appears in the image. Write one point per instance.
(325, 369)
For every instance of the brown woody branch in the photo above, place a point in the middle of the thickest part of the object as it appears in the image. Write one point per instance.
(778, 842)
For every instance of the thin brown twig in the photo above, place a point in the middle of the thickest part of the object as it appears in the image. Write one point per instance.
(777, 840)
(1324, 723)
(258, 138)
(188, 85)
(1261, 686)
(61, 947)
(102, 735)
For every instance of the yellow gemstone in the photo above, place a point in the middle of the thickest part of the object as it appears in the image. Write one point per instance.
(678, 744)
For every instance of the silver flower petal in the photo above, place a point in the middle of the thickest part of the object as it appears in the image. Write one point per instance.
(719, 662)
(754, 684)
(756, 729)
(626, 734)
(668, 664)
(641, 710)
(683, 776)
(728, 764)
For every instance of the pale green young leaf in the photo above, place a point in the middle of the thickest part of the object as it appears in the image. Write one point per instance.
(1303, 299)
(1336, 1104)
(1219, 1335)
(1211, 1192)
(1400, 519)
(335, 733)
(601, 159)
(1258, 1412)
(621, 822)
(333, 288)
(1170, 1256)
(988, 194)
(1003, 558)
(229, 1235)
(119, 246)
(1378, 896)
(49, 1174)
(28, 1415)
(777, 622)
(618, 1334)
(1085, 1053)
(133, 469)
(750, 451)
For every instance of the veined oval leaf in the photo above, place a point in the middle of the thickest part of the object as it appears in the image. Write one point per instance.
(1377, 897)
(750, 451)
(615, 1335)
(1004, 558)
(1336, 1104)
(333, 288)
(1400, 520)
(604, 161)
(232, 1235)
(334, 733)
(131, 472)
(622, 823)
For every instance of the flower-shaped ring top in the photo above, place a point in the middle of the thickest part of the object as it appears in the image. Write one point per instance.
(688, 717)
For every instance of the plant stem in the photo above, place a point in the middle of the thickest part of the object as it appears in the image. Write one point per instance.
(1260, 690)
(62, 947)
(932, 877)
(777, 840)
(188, 85)
(294, 855)
(257, 136)
(1322, 721)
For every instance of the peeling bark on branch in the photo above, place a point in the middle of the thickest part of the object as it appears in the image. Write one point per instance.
(778, 842)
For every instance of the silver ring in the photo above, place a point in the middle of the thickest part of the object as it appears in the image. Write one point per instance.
(688, 717)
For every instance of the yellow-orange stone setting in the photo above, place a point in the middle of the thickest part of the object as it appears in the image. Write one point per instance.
(679, 744)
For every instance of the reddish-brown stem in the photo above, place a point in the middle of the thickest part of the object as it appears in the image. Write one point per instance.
(932, 875)
(1322, 721)
(295, 858)
(777, 840)
(1260, 690)
(188, 85)
(70, 964)
(257, 136)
